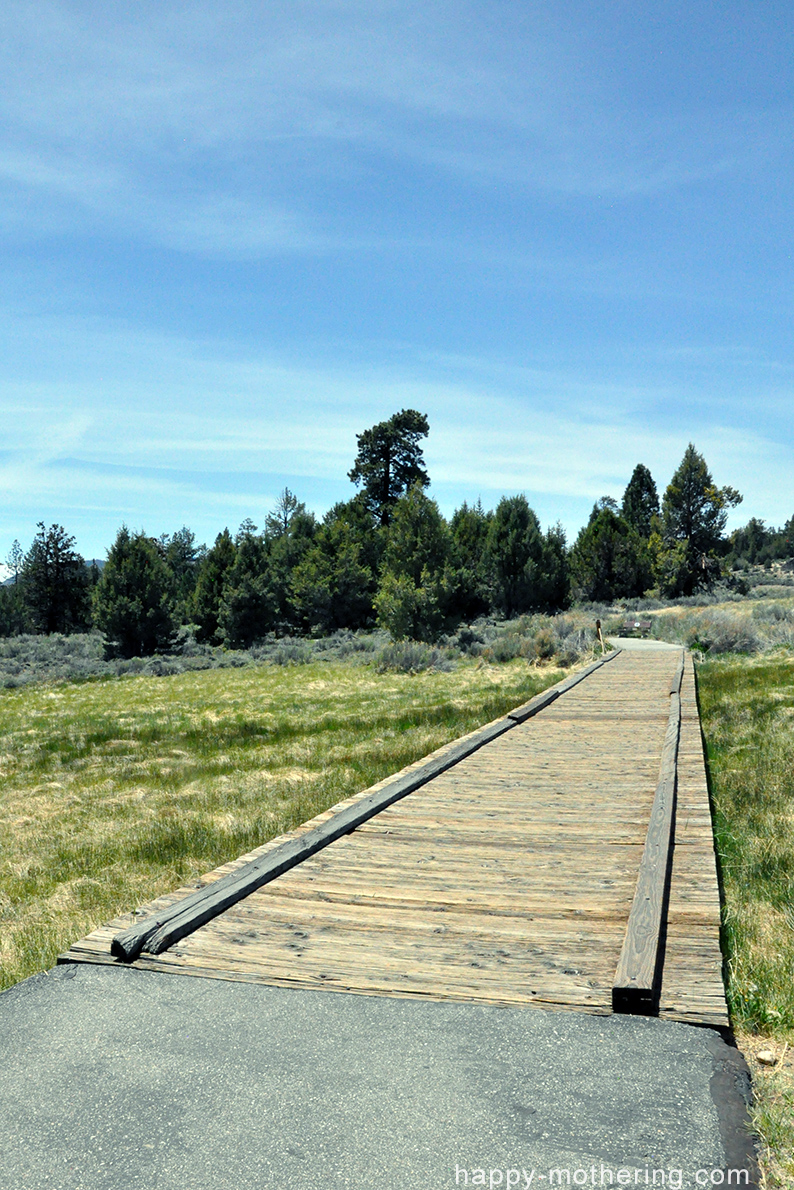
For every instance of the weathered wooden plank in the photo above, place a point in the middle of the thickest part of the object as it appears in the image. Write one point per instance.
(675, 681)
(637, 983)
(507, 879)
(544, 699)
(159, 931)
(692, 984)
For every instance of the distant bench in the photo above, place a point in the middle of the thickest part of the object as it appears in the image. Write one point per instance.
(632, 626)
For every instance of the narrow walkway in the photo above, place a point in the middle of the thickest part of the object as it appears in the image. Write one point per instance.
(507, 879)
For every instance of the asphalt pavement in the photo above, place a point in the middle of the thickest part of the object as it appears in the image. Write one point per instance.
(122, 1078)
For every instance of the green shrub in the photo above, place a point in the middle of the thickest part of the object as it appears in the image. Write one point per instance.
(412, 656)
(505, 648)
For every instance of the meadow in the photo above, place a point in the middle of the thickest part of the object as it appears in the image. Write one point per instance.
(747, 709)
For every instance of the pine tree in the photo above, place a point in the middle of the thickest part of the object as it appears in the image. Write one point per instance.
(694, 515)
(212, 572)
(134, 598)
(471, 596)
(289, 533)
(515, 556)
(54, 581)
(334, 584)
(249, 608)
(640, 501)
(609, 559)
(183, 557)
(14, 559)
(413, 598)
(389, 460)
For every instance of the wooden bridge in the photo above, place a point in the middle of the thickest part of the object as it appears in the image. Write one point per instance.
(561, 857)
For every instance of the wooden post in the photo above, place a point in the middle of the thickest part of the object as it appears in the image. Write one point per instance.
(600, 637)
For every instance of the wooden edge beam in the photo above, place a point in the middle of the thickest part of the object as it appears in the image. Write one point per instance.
(677, 678)
(157, 932)
(637, 984)
(528, 709)
(161, 930)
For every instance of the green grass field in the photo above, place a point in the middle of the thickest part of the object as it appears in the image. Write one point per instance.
(747, 708)
(116, 791)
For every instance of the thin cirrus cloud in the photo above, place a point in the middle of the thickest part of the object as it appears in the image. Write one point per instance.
(126, 114)
(49, 197)
(231, 227)
(213, 475)
(221, 443)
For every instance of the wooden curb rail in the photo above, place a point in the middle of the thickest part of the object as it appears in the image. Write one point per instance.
(638, 978)
(157, 932)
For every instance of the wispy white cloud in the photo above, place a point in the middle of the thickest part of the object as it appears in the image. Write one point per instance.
(472, 150)
(228, 226)
(205, 128)
(210, 434)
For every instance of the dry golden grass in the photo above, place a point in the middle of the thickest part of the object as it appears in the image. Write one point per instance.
(749, 626)
(116, 791)
(773, 1089)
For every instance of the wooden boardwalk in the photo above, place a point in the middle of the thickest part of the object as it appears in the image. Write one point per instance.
(508, 879)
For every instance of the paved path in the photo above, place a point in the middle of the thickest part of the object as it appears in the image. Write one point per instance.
(122, 1079)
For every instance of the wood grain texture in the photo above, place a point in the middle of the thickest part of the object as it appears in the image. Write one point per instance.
(693, 957)
(174, 922)
(637, 985)
(508, 878)
(546, 697)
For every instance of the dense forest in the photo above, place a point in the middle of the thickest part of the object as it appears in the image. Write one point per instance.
(385, 557)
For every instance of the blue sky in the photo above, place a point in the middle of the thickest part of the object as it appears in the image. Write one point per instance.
(233, 236)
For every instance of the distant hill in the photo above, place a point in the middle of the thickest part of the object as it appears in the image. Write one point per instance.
(8, 580)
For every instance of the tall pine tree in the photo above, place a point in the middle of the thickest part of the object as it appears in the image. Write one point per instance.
(134, 598)
(55, 583)
(389, 460)
(640, 501)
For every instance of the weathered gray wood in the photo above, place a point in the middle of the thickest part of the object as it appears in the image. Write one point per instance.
(507, 879)
(637, 983)
(544, 699)
(675, 681)
(159, 931)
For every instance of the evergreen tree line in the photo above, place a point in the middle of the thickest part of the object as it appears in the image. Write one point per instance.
(385, 557)
(755, 544)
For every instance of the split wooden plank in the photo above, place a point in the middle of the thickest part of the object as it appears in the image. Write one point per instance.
(692, 980)
(448, 890)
